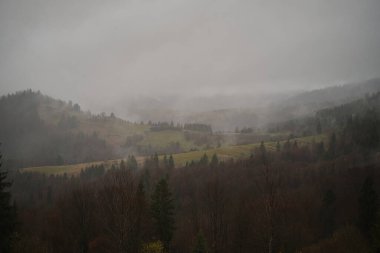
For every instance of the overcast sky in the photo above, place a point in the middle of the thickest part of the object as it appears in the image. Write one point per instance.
(86, 50)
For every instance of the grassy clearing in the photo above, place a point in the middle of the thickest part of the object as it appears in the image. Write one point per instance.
(236, 152)
(113, 131)
(72, 169)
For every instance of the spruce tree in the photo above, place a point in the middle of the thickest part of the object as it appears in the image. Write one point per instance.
(136, 236)
(132, 163)
(200, 246)
(122, 164)
(171, 162)
(328, 213)
(214, 161)
(204, 160)
(368, 206)
(7, 213)
(156, 161)
(375, 235)
(165, 161)
(162, 209)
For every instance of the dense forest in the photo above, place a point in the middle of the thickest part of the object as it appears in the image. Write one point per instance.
(295, 199)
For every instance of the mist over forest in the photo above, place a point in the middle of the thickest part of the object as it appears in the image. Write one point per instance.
(197, 126)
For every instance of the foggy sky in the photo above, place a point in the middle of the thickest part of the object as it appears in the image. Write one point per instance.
(93, 50)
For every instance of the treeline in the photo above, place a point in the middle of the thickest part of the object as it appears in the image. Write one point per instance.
(162, 126)
(198, 127)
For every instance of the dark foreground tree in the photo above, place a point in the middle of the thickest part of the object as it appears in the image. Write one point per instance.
(163, 212)
(214, 161)
(200, 246)
(7, 213)
(328, 213)
(376, 234)
(368, 206)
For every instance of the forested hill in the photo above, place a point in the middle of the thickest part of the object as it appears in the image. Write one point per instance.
(358, 119)
(338, 116)
(338, 94)
(308, 103)
(36, 130)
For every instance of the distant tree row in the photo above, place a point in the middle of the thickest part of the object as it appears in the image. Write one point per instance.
(244, 130)
(162, 126)
(198, 127)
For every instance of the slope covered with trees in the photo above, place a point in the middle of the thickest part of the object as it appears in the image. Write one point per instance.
(310, 102)
(38, 130)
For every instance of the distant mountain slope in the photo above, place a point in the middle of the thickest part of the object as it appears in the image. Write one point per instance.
(338, 94)
(339, 115)
(332, 118)
(308, 103)
(252, 110)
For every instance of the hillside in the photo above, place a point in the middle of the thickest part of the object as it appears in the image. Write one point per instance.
(332, 118)
(308, 103)
(37, 130)
(338, 115)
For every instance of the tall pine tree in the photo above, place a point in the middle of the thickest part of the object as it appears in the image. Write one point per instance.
(162, 209)
(368, 206)
(214, 161)
(200, 246)
(7, 213)
(132, 163)
(328, 213)
(171, 162)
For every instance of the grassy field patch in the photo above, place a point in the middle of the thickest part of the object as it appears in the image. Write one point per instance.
(226, 152)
